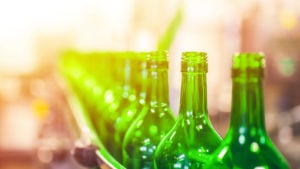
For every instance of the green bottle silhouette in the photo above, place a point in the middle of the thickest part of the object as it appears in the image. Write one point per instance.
(112, 95)
(192, 139)
(92, 83)
(127, 112)
(247, 144)
(126, 99)
(154, 120)
(76, 69)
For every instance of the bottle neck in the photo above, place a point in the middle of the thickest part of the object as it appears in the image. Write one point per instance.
(127, 80)
(193, 99)
(247, 111)
(141, 82)
(157, 86)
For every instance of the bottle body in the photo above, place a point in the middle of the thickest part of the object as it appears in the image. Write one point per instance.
(248, 154)
(114, 118)
(154, 120)
(87, 76)
(247, 144)
(112, 98)
(192, 139)
(185, 151)
(133, 104)
(147, 131)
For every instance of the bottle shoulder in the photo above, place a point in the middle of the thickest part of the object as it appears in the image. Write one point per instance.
(149, 125)
(159, 112)
(199, 126)
(239, 151)
(182, 148)
(126, 117)
(182, 138)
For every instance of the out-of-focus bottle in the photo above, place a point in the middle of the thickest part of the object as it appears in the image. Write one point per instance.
(192, 139)
(154, 120)
(129, 108)
(124, 96)
(82, 72)
(247, 144)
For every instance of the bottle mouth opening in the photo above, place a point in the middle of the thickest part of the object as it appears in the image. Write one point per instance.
(194, 57)
(194, 61)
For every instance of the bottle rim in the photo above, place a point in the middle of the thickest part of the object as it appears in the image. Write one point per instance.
(248, 64)
(157, 60)
(194, 56)
(194, 61)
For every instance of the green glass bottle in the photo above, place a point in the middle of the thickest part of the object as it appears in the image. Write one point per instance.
(76, 74)
(127, 97)
(247, 144)
(192, 139)
(91, 86)
(129, 109)
(112, 96)
(154, 120)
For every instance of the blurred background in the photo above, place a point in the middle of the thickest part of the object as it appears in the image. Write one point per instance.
(37, 129)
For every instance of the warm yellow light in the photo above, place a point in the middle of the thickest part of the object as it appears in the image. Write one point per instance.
(40, 108)
(287, 19)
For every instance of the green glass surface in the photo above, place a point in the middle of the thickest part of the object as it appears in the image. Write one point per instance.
(154, 120)
(117, 96)
(89, 78)
(247, 144)
(86, 73)
(130, 105)
(112, 94)
(76, 69)
(192, 139)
